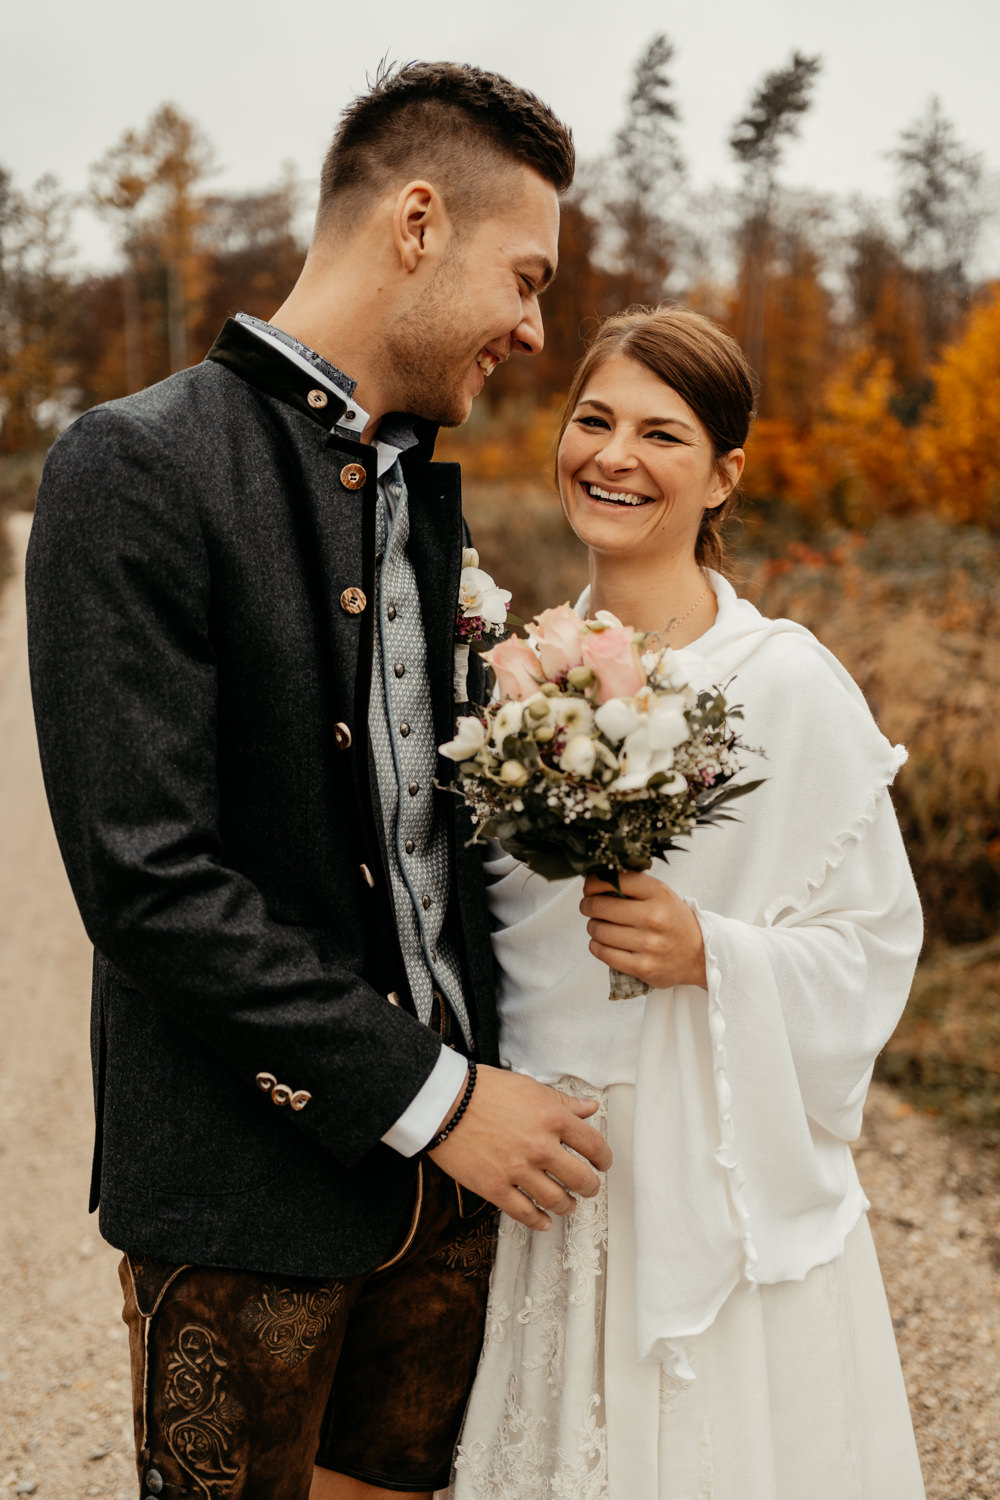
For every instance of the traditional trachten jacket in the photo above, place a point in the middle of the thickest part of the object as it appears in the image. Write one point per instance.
(201, 591)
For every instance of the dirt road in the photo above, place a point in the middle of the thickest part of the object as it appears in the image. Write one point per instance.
(64, 1408)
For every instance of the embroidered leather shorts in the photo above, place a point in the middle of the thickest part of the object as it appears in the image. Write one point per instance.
(241, 1382)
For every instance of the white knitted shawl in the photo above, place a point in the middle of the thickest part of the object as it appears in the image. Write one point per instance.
(745, 1098)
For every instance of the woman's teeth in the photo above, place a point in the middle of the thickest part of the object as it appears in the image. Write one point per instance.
(616, 497)
(486, 362)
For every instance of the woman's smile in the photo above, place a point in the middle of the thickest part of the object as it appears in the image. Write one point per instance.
(614, 497)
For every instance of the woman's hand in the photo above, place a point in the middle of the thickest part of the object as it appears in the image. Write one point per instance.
(653, 936)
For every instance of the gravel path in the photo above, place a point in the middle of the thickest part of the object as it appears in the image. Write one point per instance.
(65, 1429)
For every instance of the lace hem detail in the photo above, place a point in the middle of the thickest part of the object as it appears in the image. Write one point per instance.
(548, 1437)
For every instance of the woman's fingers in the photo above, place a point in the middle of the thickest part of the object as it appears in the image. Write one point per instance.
(618, 935)
(639, 965)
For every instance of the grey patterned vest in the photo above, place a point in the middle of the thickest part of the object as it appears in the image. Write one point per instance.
(402, 737)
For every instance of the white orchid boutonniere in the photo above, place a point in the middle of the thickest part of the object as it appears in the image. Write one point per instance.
(481, 620)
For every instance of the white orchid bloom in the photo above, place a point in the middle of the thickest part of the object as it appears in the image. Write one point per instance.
(479, 597)
(579, 755)
(617, 718)
(507, 721)
(641, 760)
(470, 557)
(469, 739)
(606, 620)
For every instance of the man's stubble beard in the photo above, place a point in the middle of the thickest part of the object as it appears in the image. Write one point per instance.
(427, 374)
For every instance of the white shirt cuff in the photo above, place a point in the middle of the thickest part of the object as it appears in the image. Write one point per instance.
(424, 1115)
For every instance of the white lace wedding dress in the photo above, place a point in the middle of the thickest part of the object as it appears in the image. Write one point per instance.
(713, 1325)
(797, 1392)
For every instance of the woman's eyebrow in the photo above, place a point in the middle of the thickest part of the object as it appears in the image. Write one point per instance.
(646, 421)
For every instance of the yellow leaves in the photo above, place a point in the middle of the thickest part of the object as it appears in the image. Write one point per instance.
(959, 440)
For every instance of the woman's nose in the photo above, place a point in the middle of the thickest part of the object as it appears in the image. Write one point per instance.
(616, 454)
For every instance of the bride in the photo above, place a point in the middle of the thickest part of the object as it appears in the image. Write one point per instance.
(713, 1324)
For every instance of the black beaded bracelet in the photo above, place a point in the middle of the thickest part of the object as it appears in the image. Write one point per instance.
(463, 1105)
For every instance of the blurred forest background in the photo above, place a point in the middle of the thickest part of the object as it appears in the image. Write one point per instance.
(872, 508)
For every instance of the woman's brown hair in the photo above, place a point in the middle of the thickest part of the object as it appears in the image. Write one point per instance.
(704, 365)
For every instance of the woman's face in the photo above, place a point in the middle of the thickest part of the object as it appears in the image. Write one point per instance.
(636, 466)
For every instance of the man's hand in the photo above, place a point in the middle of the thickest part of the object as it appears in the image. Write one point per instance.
(511, 1147)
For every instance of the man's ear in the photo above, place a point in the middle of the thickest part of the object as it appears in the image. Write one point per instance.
(420, 225)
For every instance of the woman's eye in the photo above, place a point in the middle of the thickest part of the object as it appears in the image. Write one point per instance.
(595, 422)
(666, 437)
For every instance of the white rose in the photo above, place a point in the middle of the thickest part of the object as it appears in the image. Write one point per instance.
(616, 719)
(579, 756)
(478, 596)
(470, 737)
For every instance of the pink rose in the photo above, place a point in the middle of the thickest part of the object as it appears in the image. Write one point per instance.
(517, 668)
(613, 657)
(558, 634)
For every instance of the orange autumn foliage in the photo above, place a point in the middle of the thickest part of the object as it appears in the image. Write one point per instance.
(959, 439)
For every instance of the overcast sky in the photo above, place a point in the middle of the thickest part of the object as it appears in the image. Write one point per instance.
(266, 81)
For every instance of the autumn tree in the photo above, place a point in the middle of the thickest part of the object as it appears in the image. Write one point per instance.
(758, 140)
(253, 253)
(960, 436)
(150, 184)
(941, 210)
(644, 175)
(35, 291)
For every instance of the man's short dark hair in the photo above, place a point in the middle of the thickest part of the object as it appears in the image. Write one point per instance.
(453, 124)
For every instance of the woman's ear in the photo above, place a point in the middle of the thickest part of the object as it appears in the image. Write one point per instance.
(727, 477)
(420, 225)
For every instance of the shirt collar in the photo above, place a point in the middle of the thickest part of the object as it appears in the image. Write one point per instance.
(395, 431)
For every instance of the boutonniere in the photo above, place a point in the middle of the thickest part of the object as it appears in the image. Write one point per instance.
(481, 620)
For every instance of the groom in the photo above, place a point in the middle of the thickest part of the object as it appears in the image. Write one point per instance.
(243, 587)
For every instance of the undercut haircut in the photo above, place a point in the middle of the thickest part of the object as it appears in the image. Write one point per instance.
(456, 126)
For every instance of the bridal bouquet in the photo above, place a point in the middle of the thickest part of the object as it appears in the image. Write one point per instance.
(597, 754)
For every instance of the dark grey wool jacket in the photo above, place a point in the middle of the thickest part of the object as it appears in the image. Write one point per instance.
(201, 676)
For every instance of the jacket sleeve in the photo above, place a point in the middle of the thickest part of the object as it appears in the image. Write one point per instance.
(120, 599)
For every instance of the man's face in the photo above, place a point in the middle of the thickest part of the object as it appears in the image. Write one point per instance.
(481, 305)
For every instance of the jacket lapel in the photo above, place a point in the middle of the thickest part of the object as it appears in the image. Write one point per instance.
(436, 551)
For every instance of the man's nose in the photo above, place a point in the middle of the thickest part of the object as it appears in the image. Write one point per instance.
(529, 335)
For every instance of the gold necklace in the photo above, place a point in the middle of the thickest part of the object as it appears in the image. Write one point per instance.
(672, 625)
